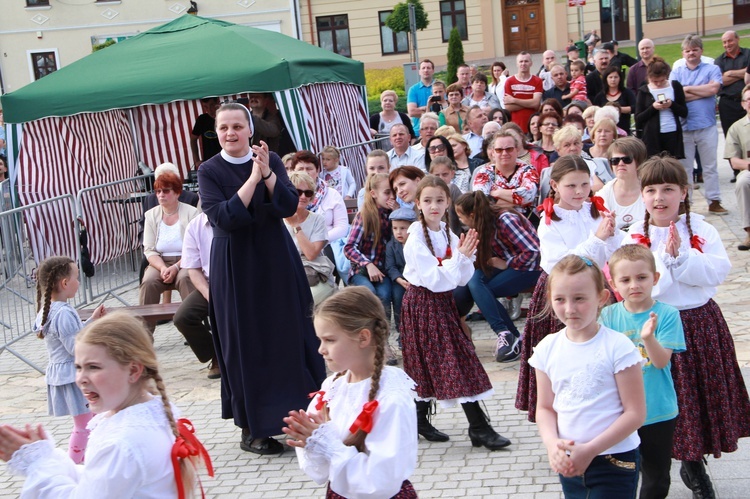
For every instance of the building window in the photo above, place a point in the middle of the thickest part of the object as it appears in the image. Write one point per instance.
(657, 10)
(453, 15)
(37, 3)
(390, 42)
(43, 63)
(333, 34)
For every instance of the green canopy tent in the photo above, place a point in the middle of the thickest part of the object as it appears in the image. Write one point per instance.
(92, 121)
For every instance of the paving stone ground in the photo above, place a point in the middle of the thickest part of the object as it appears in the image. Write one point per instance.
(454, 469)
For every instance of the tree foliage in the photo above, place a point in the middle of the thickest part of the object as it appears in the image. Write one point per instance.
(455, 55)
(398, 21)
(104, 45)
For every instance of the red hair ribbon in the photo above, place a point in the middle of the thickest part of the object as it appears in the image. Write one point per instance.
(697, 242)
(547, 207)
(448, 254)
(599, 204)
(320, 402)
(641, 239)
(185, 446)
(364, 420)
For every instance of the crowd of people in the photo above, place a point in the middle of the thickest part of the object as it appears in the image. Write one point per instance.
(573, 185)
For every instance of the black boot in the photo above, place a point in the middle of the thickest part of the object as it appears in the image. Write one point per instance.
(694, 476)
(424, 428)
(480, 431)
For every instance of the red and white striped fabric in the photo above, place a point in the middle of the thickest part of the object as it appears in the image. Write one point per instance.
(338, 117)
(163, 133)
(62, 156)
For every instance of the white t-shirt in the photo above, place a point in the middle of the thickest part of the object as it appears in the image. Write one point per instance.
(625, 215)
(587, 401)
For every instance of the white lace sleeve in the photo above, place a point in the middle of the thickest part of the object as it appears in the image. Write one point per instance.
(49, 472)
(323, 444)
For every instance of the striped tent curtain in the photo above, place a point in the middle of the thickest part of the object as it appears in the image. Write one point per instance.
(295, 117)
(163, 133)
(64, 155)
(337, 115)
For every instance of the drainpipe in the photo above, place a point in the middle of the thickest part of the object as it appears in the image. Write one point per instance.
(310, 19)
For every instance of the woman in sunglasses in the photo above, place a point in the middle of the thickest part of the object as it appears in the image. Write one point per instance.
(163, 233)
(509, 182)
(436, 147)
(622, 195)
(308, 231)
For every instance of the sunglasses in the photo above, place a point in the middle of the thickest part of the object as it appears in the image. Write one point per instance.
(165, 191)
(554, 125)
(616, 160)
(306, 192)
(437, 148)
(500, 150)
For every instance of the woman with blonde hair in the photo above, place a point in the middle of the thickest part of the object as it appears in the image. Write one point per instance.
(381, 123)
(465, 165)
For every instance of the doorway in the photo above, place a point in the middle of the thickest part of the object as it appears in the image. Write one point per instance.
(622, 24)
(741, 11)
(524, 26)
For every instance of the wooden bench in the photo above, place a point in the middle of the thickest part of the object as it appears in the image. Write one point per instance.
(156, 312)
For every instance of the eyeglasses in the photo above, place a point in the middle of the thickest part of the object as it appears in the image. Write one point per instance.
(165, 191)
(306, 192)
(616, 160)
(553, 125)
(437, 148)
(500, 150)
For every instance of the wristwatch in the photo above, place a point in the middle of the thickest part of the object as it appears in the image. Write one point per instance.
(297, 229)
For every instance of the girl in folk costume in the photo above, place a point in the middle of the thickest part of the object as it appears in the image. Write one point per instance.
(577, 224)
(437, 354)
(136, 448)
(711, 394)
(359, 433)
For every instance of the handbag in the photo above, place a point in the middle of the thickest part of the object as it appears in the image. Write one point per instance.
(318, 270)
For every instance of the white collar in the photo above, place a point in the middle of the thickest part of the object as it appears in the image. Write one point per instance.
(237, 161)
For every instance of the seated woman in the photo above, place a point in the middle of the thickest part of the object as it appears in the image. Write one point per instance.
(622, 195)
(308, 231)
(438, 146)
(529, 153)
(381, 123)
(549, 123)
(163, 233)
(327, 202)
(603, 134)
(465, 165)
(510, 183)
(507, 264)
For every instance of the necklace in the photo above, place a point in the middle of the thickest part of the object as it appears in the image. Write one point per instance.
(617, 92)
(165, 214)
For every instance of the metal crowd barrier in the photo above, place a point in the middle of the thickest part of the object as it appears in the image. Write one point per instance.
(360, 150)
(18, 288)
(111, 213)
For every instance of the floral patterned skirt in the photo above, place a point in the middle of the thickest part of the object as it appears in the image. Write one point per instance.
(438, 356)
(711, 394)
(407, 492)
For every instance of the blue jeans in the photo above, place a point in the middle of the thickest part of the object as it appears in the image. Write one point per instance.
(398, 297)
(484, 291)
(612, 476)
(381, 289)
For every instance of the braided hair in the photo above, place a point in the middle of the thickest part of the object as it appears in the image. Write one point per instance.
(126, 340)
(485, 223)
(49, 274)
(433, 181)
(664, 170)
(354, 309)
(563, 166)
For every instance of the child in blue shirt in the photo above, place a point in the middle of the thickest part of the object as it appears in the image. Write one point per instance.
(401, 220)
(656, 329)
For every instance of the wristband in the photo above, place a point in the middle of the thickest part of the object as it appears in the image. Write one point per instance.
(267, 176)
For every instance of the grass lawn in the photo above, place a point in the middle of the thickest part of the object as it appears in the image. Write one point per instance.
(672, 51)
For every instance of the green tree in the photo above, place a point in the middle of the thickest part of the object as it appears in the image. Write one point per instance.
(398, 21)
(100, 46)
(455, 55)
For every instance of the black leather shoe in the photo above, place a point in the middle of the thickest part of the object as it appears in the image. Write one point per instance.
(430, 433)
(489, 438)
(262, 446)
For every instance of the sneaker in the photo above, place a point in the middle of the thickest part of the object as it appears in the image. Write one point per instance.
(213, 370)
(716, 208)
(508, 347)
